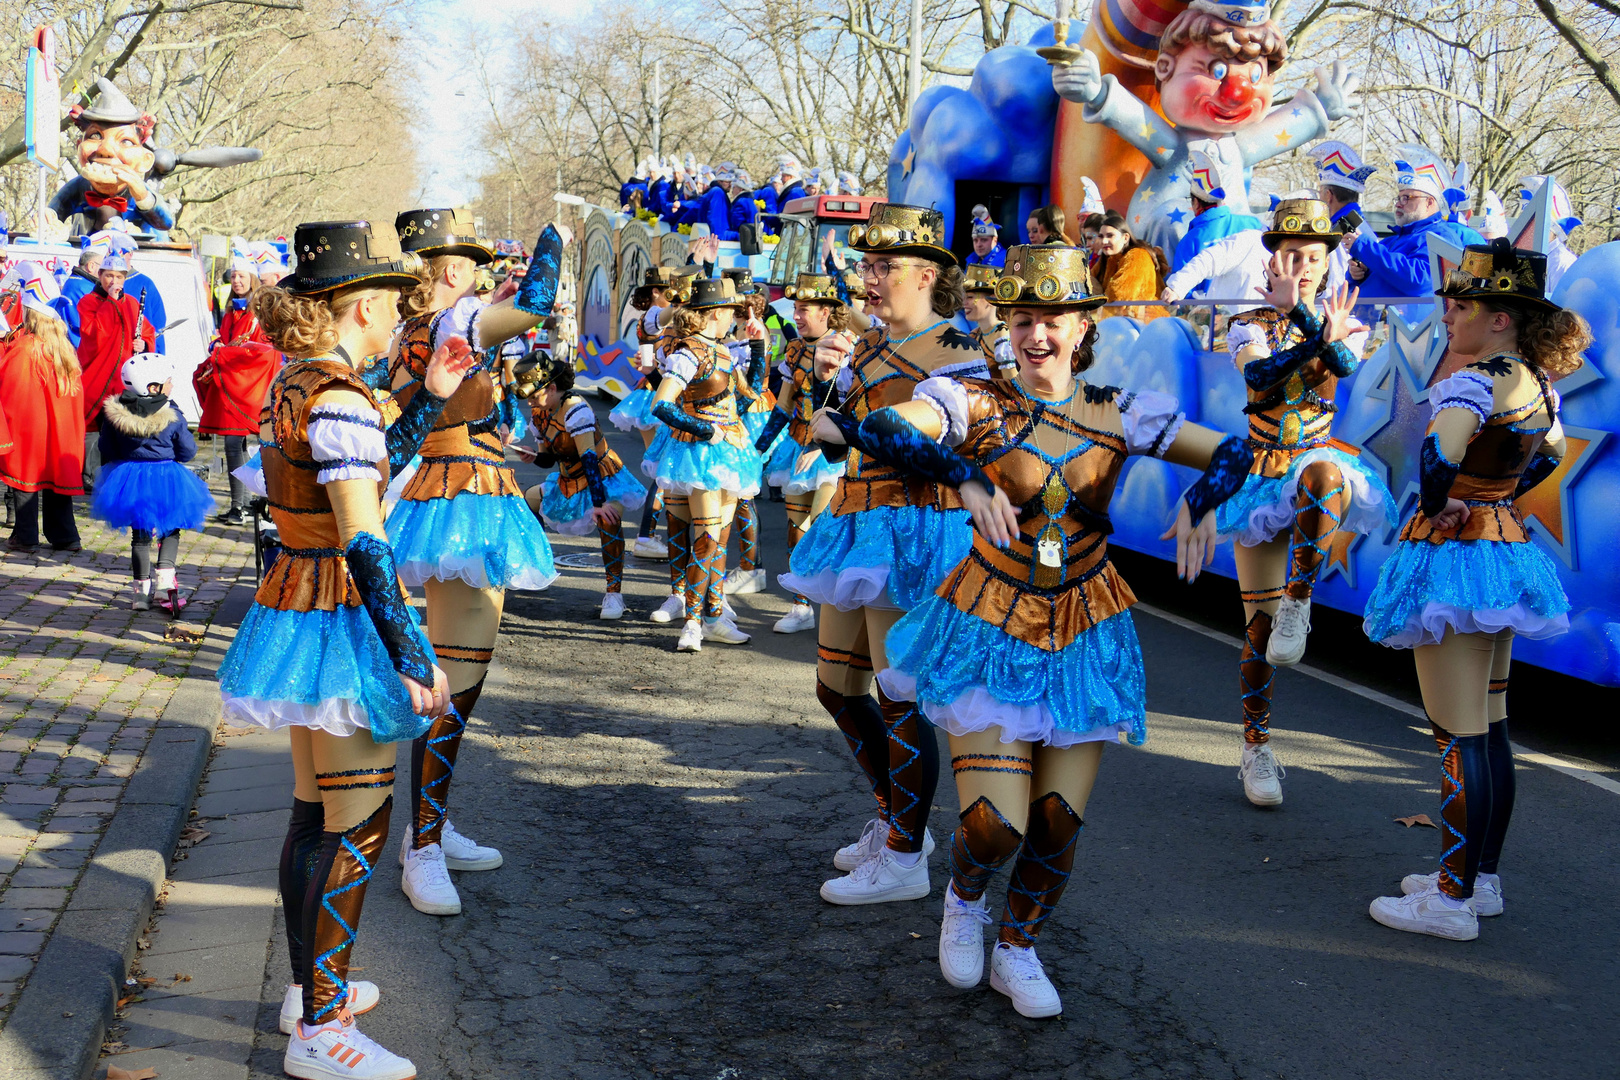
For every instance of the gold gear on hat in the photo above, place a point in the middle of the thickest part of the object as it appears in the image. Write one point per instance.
(1008, 288)
(1291, 223)
(1320, 225)
(1503, 283)
(1048, 287)
(857, 233)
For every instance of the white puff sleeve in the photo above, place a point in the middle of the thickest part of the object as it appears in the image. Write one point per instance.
(459, 320)
(347, 442)
(1151, 421)
(948, 398)
(680, 364)
(1241, 335)
(579, 419)
(1464, 390)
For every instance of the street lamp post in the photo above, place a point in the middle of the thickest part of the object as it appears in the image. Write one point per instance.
(914, 66)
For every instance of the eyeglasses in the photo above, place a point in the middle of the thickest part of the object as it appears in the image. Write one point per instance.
(1410, 196)
(878, 269)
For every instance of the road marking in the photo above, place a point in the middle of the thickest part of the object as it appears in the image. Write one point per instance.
(1597, 780)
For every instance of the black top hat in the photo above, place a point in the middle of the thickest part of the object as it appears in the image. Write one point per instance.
(1301, 219)
(714, 293)
(898, 229)
(441, 232)
(1048, 276)
(329, 255)
(1499, 271)
(741, 278)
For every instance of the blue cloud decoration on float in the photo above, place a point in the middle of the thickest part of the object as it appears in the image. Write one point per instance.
(998, 130)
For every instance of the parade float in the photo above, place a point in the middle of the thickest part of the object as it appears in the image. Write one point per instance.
(1010, 142)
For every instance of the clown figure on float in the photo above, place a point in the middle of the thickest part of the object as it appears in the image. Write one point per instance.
(1215, 75)
(116, 155)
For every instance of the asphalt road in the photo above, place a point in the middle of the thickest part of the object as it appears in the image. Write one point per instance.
(667, 820)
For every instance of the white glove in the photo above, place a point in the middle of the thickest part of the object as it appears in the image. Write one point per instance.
(1080, 81)
(1337, 89)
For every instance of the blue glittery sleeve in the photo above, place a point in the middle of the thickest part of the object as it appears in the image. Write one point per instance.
(676, 417)
(773, 427)
(593, 478)
(1228, 468)
(897, 442)
(404, 437)
(1265, 372)
(371, 564)
(538, 293)
(756, 366)
(1541, 466)
(1436, 475)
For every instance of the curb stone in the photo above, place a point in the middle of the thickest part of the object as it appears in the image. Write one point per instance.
(56, 1028)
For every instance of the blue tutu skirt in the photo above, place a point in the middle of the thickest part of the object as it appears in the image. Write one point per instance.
(158, 496)
(683, 467)
(1263, 508)
(488, 541)
(632, 413)
(654, 451)
(571, 516)
(1466, 586)
(970, 675)
(755, 423)
(885, 557)
(780, 471)
(317, 669)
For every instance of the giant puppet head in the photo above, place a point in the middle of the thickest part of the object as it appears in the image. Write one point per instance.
(1216, 64)
(115, 145)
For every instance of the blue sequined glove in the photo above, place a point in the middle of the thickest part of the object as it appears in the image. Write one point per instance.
(773, 427)
(1540, 467)
(371, 564)
(756, 365)
(593, 478)
(677, 418)
(900, 444)
(1267, 371)
(538, 293)
(1228, 467)
(404, 436)
(1436, 475)
(1334, 356)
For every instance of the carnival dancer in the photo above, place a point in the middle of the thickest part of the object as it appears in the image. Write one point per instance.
(591, 489)
(884, 544)
(1026, 654)
(707, 464)
(330, 648)
(461, 528)
(661, 286)
(144, 485)
(1305, 487)
(1465, 578)
(793, 462)
(979, 290)
(755, 403)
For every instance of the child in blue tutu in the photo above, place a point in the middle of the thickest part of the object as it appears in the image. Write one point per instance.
(144, 485)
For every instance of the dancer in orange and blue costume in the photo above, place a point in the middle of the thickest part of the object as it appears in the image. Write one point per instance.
(1306, 487)
(331, 649)
(1026, 653)
(1465, 577)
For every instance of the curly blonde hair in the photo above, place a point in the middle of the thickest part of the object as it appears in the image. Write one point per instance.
(419, 301)
(948, 295)
(305, 326)
(1552, 339)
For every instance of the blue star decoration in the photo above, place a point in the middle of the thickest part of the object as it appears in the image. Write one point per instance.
(1397, 443)
(1176, 215)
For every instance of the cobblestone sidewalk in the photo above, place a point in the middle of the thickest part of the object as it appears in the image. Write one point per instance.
(83, 680)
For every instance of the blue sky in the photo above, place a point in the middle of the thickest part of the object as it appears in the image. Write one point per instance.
(449, 147)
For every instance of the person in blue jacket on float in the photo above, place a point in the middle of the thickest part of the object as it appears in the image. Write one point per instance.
(1398, 265)
(637, 182)
(715, 206)
(987, 249)
(1212, 219)
(743, 210)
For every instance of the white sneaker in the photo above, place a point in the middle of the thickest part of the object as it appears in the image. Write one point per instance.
(1261, 775)
(1487, 891)
(726, 610)
(427, 882)
(142, 600)
(961, 939)
(1018, 974)
(674, 607)
(739, 582)
(461, 853)
(363, 997)
(339, 1049)
(612, 606)
(1429, 913)
(691, 637)
(1289, 629)
(879, 880)
(873, 840)
(650, 547)
(799, 617)
(724, 631)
